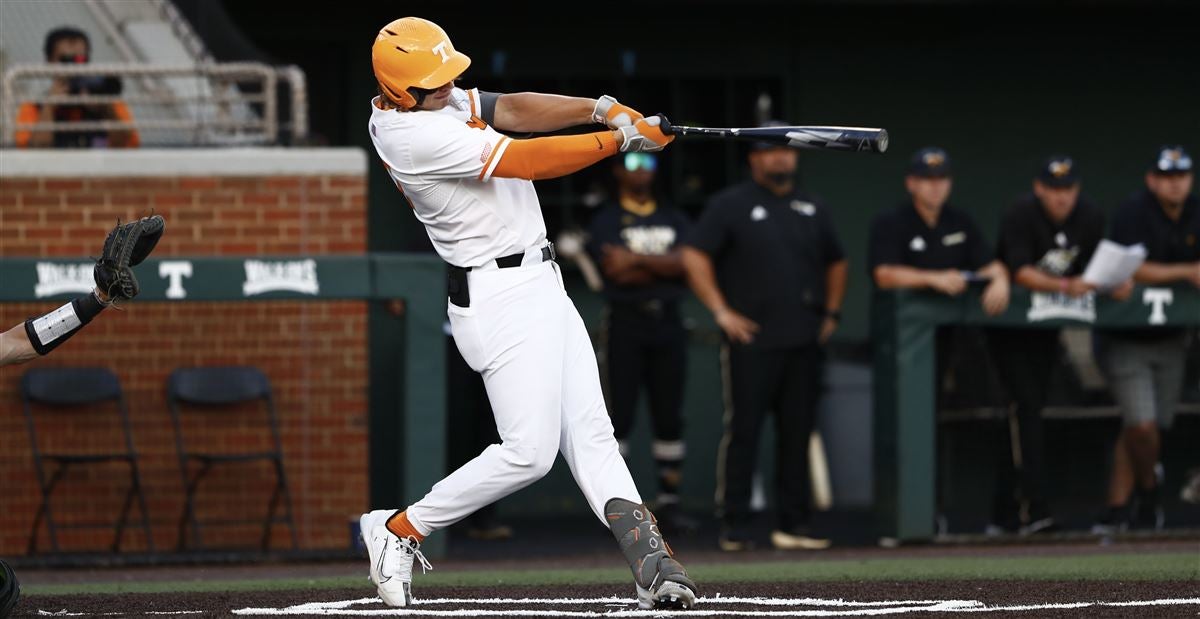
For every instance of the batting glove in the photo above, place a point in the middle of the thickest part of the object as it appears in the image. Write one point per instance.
(613, 114)
(645, 136)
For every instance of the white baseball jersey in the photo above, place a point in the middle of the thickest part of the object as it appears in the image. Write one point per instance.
(443, 162)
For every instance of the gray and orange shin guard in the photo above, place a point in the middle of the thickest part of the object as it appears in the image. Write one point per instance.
(661, 580)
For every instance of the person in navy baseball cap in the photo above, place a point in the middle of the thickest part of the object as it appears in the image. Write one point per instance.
(929, 162)
(1170, 160)
(1059, 171)
(1148, 366)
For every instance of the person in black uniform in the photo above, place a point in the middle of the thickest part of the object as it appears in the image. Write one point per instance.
(1145, 367)
(1046, 240)
(635, 240)
(923, 243)
(765, 259)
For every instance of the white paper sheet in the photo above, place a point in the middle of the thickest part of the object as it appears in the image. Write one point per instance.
(1113, 263)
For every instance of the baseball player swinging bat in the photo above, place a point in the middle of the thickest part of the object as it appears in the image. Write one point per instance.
(857, 139)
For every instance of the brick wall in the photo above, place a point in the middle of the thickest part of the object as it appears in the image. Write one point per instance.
(314, 353)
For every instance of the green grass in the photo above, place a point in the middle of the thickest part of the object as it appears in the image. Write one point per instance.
(1156, 566)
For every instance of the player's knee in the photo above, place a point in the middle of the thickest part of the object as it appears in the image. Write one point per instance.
(531, 461)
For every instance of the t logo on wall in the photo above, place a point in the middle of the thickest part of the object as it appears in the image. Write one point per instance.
(175, 271)
(1158, 298)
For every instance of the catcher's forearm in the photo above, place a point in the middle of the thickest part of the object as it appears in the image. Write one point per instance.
(47, 331)
(15, 347)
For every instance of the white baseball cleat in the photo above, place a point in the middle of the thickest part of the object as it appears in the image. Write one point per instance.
(669, 595)
(391, 558)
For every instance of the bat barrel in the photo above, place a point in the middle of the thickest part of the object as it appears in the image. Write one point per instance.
(856, 139)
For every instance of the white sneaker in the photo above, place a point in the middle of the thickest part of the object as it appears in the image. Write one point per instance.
(391, 558)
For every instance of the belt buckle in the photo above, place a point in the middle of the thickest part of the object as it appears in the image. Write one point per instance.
(548, 253)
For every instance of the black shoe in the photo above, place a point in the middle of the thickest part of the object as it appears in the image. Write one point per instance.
(674, 522)
(1148, 511)
(1040, 520)
(1112, 521)
(734, 539)
(1046, 524)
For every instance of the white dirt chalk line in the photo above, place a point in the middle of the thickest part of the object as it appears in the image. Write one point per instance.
(761, 601)
(896, 607)
(66, 613)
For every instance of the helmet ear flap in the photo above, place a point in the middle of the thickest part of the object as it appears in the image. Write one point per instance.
(401, 99)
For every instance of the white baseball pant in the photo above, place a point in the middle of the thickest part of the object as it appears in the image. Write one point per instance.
(524, 335)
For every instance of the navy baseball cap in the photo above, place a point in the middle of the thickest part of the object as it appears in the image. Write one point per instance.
(1172, 160)
(929, 162)
(1059, 171)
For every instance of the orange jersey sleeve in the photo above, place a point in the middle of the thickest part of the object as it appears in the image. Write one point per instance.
(27, 114)
(553, 156)
(121, 111)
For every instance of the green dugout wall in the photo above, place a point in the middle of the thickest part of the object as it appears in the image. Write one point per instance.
(408, 439)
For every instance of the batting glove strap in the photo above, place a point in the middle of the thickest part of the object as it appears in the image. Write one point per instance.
(613, 114)
(645, 136)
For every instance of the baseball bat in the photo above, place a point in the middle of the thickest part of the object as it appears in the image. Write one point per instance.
(857, 139)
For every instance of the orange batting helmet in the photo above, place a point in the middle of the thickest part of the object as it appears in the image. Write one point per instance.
(414, 53)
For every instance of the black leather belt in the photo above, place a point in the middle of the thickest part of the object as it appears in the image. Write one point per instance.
(515, 260)
(457, 288)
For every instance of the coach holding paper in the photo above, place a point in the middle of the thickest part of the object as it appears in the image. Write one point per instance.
(765, 259)
(1145, 367)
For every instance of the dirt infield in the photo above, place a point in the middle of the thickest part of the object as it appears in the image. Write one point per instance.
(1023, 598)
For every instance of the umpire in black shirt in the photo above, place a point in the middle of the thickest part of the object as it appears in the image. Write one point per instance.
(1046, 240)
(635, 240)
(765, 260)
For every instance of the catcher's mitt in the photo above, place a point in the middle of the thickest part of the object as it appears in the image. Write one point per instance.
(127, 245)
(10, 589)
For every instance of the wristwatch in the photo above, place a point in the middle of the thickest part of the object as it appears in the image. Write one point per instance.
(834, 314)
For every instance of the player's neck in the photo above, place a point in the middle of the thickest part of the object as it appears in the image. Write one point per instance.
(1173, 210)
(638, 203)
(928, 213)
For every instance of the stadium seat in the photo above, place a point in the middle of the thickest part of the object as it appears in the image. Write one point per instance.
(52, 391)
(209, 391)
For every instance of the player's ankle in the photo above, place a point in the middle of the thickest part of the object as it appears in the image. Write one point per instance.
(402, 527)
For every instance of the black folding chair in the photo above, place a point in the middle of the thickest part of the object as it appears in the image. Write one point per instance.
(75, 388)
(206, 391)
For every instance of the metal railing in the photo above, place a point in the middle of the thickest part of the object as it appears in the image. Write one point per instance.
(202, 104)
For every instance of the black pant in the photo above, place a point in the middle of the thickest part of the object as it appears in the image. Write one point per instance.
(1025, 360)
(788, 382)
(647, 346)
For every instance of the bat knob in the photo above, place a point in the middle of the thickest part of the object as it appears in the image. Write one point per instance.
(664, 125)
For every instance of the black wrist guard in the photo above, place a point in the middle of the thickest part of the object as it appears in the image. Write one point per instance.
(49, 330)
